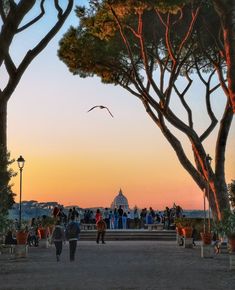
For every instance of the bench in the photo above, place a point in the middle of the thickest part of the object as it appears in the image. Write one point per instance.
(7, 249)
(88, 227)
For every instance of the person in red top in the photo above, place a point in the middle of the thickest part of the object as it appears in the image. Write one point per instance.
(101, 229)
(97, 215)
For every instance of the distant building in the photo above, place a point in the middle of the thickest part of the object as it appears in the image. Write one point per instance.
(120, 200)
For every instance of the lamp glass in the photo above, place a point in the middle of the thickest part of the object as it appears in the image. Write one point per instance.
(21, 162)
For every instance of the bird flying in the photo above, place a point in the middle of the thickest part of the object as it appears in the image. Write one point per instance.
(101, 107)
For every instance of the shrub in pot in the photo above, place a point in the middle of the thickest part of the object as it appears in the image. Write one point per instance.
(184, 225)
(226, 227)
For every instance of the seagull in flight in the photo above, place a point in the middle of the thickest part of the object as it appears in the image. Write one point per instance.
(101, 107)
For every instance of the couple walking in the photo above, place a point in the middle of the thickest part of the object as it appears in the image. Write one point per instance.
(71, 234)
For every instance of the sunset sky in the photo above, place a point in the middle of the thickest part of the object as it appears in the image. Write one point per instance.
(81, 158)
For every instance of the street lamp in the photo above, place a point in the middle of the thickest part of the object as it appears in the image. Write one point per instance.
(20, 162)
(208, 160)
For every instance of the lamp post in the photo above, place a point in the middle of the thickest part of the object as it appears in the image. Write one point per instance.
(20, 162)
(208, 161)
(204, 207)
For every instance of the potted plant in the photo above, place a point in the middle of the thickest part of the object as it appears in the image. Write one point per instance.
(226, 227)
(184, 227)
(206, 237)
(46, 227)
(22, 237)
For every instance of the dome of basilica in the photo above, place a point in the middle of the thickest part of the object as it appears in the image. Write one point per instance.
(120, 200)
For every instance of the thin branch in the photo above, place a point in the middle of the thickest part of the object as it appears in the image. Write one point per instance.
(176, 145)
(210, 112)
(180, 17)
(184, 103)
(140, 87)
(10, 66)
(167, 35)
(215, 88)
(31, 54)
(199, 74)
(2, 13)
(58, 8)
(37, 18)
(189, 32)
(222, 80)
(145, 57)
(218, 41)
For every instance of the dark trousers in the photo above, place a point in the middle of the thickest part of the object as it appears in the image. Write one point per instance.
(120, 223)
(100, 235)
(72, 249)
(107, 222)
(58, 246)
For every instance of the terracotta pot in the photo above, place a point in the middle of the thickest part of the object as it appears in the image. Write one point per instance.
(232, 244)
(179, 230)
(206, 238)
(21, 237)
(187, 232)
(43, 233)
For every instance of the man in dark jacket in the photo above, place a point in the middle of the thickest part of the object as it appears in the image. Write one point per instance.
(72, 234)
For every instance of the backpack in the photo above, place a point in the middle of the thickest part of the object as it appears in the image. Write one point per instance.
(57, 235)
(72, 230)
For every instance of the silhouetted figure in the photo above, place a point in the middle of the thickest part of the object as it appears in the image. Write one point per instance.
(58, 237)
(9, 240)
(101, 229)
(72, 234)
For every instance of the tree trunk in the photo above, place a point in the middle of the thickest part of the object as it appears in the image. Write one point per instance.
(226, 12)
(3, 123)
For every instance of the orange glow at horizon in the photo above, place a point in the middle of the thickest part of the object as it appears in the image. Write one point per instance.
(95, 181)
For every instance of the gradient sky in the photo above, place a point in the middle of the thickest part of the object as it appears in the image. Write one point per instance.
(81, 158)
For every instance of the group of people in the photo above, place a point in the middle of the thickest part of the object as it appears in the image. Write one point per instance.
(121, 219)
(71, 233)
(59, 214)
(67, 225)
(116, 219)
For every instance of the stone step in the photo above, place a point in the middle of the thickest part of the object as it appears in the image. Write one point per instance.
(115, 235)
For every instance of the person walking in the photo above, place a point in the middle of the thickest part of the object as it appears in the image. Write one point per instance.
(101, 229)
(58, 237)
(72, 235)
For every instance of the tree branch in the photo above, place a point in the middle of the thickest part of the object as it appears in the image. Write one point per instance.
(31, 54)
(2, 13)
(189, 31)
(184, 103)
(37, 18)
(58, 8)
(176, 145)
(10, 66)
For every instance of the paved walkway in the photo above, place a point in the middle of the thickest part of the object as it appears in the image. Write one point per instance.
(118, 265)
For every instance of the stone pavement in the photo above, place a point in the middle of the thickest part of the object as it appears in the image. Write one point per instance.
(117, 265)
